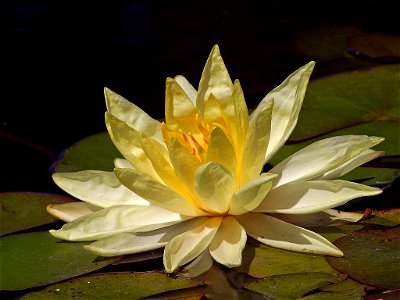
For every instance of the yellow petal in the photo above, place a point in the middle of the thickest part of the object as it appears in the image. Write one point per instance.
(129, 113)
(72, 210)
(187, 87)
(240, 122)
(214, 186)
(199, 266)
(184, 164)
(117, 219)
(256, 142)
(321, 157)
(187, 246)
(220, 150)
(288, 98)
(249, 196)
(99, 188)
(214, 80)
(353, 163)
(276, 233)
(156, 192)
(228, 243)
(132, 243)
(127, 141)
(313, 196)
(162, 166)
(177, 104)
(122, 163)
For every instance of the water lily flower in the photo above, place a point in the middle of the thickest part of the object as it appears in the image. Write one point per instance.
(195, 184)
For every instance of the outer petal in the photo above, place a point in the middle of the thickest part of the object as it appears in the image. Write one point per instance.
(132, 115)
(214, 80)
(249, 196)
(257, 142)
(214, 187)
(117, 219)
(131, 243)
(199, 266)
(305, 197)
(157, 193)
(276, 233)
(353, 163)
(127, 141)
(228, 243)
(321, 157)
(122, 163)
(240, 122)
(187, 87)
(187, 246)
(99, 188)
(288, 98)
(71, 211)
(323, 218)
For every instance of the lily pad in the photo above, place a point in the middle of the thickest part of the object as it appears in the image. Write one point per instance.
(96, 152)
(374, 45)
(23, 210)
(389, 217)
(34, 259)
(125, 285)
(370, 257)
(353, 99)
(292, 286)
(261, 261)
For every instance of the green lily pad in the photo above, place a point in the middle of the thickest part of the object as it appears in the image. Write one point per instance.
(34, 259)
(292, 286)
(370, 257)
(389, 217)
(96, 152)
(126, 285)
(22, 210)
(332, 233)
(352, 99)
(390, 295)
(261, 261)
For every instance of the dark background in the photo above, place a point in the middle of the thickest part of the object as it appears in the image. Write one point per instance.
(58, 55)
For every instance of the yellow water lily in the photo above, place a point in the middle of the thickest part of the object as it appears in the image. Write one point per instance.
(194, 184)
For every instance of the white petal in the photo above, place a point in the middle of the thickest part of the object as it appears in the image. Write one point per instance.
(353, 163)
(276, 233)
(132, 115)
(304, 197)
(214, 187)
(228, 243)
(187, 246)
(187, 87)
(131, 243)
(321, 157)
(199, 266)
(156, 192)
(72, 210)
(288, 98)
(249, 196)
(323, 218)
(99, 188)
(117, 219)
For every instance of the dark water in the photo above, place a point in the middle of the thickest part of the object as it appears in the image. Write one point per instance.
(58, 56)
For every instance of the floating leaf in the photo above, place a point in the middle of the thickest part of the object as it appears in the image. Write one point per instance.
(388, 295)
(35, 259)
(261, 261)
(373, 45)
(96, 152)
(292, 286)
(22, 210)
(332, 233)
(354, 99)
(389, 217)
(370, 256)
(126, 285)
